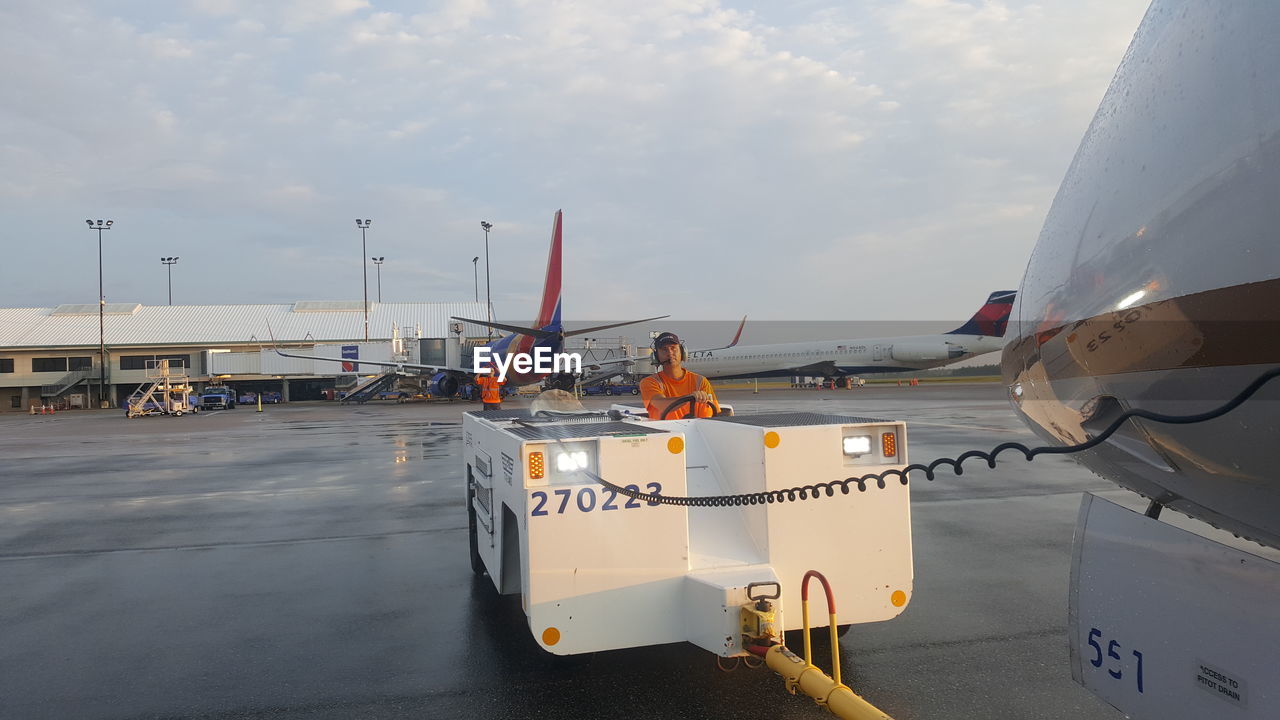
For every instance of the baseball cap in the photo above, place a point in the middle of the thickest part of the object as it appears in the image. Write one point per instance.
(666, 338)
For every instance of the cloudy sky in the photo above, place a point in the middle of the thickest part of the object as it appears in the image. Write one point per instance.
(785, 160)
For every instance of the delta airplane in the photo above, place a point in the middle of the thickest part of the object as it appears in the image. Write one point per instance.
(840, 358)
(544, 340)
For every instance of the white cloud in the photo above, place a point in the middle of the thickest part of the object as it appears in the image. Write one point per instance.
(772, 149)
(298, 15)
(167, 48)
(408, 129)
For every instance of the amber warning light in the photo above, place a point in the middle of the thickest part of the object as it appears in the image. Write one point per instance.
(889, 443)
(537, 466)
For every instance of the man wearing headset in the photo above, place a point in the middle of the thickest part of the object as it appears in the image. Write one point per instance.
(673, 381)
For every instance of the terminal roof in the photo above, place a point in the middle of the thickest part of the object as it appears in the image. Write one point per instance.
(137, 324)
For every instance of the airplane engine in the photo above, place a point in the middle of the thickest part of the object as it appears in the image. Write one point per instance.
(444, 385)
(926, 352)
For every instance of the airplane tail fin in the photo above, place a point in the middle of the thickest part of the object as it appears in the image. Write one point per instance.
(992, 318)
(738, 335)
(549, 310)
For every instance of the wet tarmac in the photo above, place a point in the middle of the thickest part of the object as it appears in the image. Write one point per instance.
(311, 562)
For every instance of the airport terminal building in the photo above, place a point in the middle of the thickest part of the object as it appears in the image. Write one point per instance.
(53, 355)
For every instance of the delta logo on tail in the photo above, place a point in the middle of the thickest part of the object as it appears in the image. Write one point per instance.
(992, 318)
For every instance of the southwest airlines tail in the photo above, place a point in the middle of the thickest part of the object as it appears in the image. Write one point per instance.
(548, 326)
(549, 311)
(992, 318)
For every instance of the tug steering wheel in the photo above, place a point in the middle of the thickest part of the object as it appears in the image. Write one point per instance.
(693, 406)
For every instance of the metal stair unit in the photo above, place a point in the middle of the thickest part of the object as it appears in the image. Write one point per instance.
(68, 381)
(365, 391)
(166, 392)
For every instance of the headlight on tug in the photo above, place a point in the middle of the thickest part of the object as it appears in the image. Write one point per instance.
(561, 463)
(857, 445)
(571, 461)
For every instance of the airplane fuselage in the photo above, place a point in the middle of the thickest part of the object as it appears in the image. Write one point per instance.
(831, 358)
(1155, 283)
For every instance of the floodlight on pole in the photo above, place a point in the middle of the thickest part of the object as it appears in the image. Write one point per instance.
(364, 272)
(170, 262)
(488, 289)
(475, 276)
(378, 261)
(102, 313)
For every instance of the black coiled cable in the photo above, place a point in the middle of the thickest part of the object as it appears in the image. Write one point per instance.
(817, 490)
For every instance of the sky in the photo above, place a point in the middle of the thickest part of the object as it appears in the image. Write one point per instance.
(794, 160)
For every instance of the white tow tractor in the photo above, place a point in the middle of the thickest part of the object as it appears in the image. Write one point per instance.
(553, 520)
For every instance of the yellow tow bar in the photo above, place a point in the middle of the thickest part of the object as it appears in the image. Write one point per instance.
(801, 675)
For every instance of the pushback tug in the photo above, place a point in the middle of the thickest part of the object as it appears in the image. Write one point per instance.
(598, 569)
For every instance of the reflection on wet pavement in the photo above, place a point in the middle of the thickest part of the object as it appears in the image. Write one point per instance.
(311, 561)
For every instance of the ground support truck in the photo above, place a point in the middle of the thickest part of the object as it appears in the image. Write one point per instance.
(218, 397)
(551, 520)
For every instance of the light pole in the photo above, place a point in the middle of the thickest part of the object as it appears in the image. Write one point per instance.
(475, 275)
(364, 273)
(488, 290)
(102, 311)
(170, 262)
(378, 261)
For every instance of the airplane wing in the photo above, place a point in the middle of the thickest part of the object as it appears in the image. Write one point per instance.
(531, 332)
(547, 334)
(597, 328)
(397, 365)
(358, 362)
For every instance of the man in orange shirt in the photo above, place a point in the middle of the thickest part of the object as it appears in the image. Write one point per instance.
(490, 389)
(673, 381)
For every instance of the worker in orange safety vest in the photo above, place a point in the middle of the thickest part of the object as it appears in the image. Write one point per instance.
(490, 389)
(673, 381)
